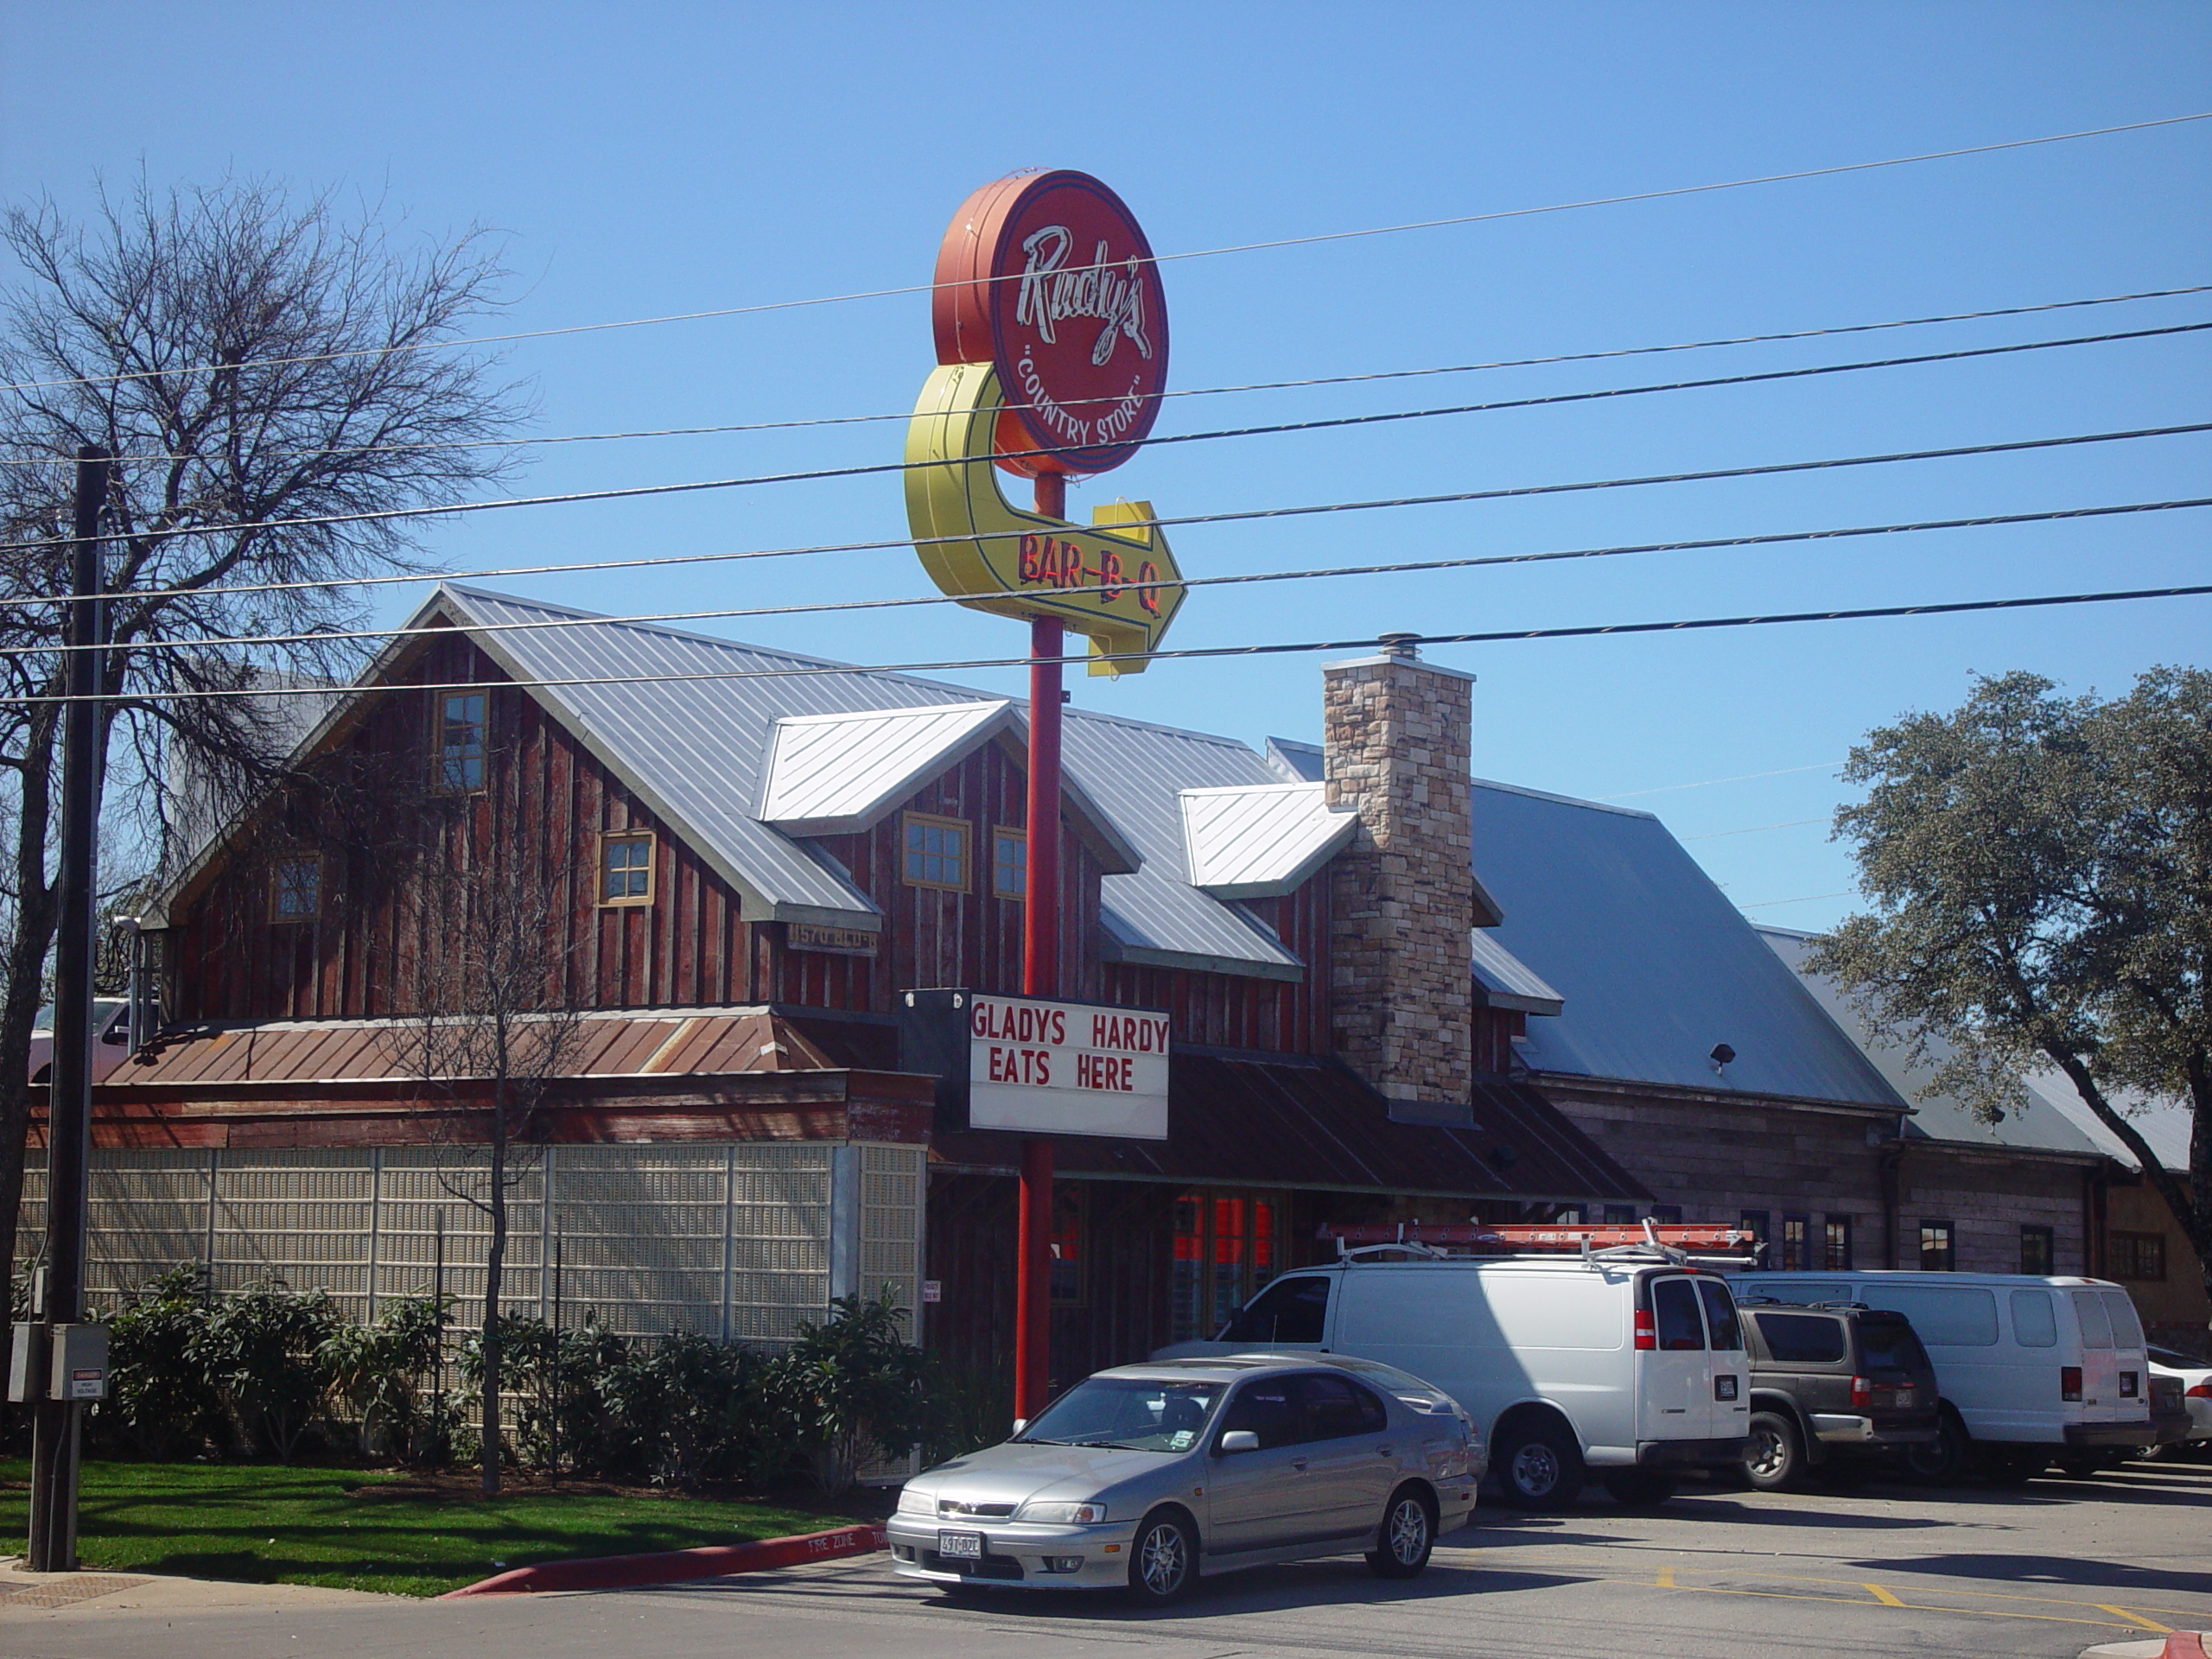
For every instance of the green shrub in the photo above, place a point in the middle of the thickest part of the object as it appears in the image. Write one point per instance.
(555, 1415)
(379, 1371)
(853, 1385)
(159, 1402)
(696, 1410)
(263, 1348)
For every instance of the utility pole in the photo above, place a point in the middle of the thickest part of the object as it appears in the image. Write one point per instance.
(1040, 977)
(57, 1424)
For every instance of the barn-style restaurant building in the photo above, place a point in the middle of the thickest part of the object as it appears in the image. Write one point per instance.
(1390, 992)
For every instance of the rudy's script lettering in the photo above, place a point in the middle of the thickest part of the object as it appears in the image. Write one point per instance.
(1050, 293)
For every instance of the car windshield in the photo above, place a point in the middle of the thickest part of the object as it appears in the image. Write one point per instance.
(1134, 1414)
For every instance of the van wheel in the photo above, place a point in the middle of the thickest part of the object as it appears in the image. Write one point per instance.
(1940, 1461)
(1408, 1536)
(1640, 1489)
(1540, 1465)
(1775, 1456)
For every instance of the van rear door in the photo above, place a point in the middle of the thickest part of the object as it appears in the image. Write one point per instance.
(1674, 1373)
(2100, 1365)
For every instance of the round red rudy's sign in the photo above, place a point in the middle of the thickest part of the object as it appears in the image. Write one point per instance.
(1048, 277)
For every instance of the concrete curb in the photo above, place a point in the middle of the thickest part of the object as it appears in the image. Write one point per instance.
(676, 1566)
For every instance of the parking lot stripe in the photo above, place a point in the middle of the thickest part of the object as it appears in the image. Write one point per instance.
(2148, 1624)
(1666, 1578)
(1884, 1596)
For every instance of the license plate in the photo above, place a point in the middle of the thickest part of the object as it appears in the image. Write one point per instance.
(1906, 1396)
(960, 1545)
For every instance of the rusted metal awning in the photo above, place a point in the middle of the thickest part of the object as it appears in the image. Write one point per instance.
(657, 1074)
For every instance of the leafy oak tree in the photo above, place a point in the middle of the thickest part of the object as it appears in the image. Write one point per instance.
(2041, 872)
(266, 371)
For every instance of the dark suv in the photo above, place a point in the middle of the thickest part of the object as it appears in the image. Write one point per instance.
(1835, 1385)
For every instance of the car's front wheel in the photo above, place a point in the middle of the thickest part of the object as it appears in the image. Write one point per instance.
(1407, 1537)
(1165, 1559)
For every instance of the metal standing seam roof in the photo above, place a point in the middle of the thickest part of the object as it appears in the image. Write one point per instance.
(1260, 842)
(1507, 981)
(695, 749)
(829, 774)
(1652, 963)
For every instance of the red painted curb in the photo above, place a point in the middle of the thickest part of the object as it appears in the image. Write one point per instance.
(2184, 1644)
(676, 1566)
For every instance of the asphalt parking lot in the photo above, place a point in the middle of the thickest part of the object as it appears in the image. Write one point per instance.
(2047, 1569)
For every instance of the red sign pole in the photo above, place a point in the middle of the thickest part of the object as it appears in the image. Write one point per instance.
(1040, 977)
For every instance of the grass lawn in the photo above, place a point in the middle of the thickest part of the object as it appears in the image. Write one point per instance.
(267, 1524)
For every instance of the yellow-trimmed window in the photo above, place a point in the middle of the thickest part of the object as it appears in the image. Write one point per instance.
(934, 852)
(1009, 863)
(459, 736)
(626, 868)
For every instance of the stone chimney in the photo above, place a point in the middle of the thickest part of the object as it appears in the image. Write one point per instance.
(1397, 743)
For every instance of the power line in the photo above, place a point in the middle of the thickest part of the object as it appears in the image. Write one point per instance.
(1244, 515)
(1768, 903)
(1274, 428)
(1205, 392)
(1740, 777)
(1405, 567)
(1506, 636)
(1198, 253)
(1754, 829)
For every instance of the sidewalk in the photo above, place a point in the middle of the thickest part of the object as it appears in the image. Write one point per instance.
(25, 1595)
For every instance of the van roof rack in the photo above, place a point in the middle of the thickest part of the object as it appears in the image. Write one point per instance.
(1639, 1241)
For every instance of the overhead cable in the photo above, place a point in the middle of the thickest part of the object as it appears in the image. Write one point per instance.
(572, 498)
(1244, 515)
(1405, 567)
(1193, 391)
(1196, 253)
(1504, 636)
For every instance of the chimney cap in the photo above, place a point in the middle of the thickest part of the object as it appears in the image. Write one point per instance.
(1399, 644)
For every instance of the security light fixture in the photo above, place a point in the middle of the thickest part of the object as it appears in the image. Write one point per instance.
(1720, 1056)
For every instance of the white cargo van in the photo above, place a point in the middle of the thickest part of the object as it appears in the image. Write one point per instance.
(2032, 1367)
(1630, 1368)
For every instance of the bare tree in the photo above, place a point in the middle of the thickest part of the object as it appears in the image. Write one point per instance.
(253, 360)
(494, 1028)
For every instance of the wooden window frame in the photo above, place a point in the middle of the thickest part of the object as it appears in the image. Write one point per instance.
(2126, 1253)
(439, 780)
(1951, 1246)
(2047, 1237)
(607, 840)
(1000, 834)
(277, 917)
(934, 821)
(1838, 1230)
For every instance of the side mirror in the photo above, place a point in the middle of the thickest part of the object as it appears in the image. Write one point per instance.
(1239, 1439)
(1021, 1423)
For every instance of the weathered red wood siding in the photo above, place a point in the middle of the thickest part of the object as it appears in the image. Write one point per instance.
(1231, 1011)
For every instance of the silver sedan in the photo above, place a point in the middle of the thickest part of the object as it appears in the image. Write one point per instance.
(1149, 1475)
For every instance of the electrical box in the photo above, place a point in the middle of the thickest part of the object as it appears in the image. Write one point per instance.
(79, 1367)
(27, 1367)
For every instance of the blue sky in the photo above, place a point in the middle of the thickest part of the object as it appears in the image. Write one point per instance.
(655, 159)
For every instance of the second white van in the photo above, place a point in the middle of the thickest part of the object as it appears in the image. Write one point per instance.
(1627, 1368)
(2032, 1367)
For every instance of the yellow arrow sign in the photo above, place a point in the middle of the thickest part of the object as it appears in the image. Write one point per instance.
(1120, 586)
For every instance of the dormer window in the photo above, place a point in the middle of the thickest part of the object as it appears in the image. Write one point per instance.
(935, 852)
(295, 889)
(625, 868)
(460, 739)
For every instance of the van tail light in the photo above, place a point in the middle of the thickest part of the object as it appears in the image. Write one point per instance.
(1862, 1393)
(1647, 1328)
(2070, 1383)
(2130, 1385)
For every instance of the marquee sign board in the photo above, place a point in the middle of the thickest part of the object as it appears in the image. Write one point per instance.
(1049, 278)
(1038, 1066)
